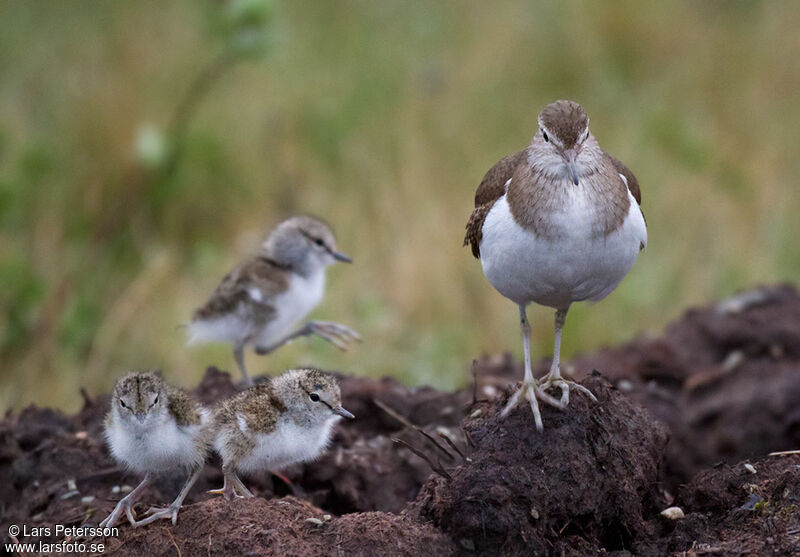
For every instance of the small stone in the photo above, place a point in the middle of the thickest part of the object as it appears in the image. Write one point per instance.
(326, 517)
(314, 521)
(70, 494)
(750, 468)
(467, 544)
(71, 485)
(126, 489)
(476, 413)
(673, 513)
(624, 385)
(82, 435)
(535, 513)
(115, 489)
(88, 499)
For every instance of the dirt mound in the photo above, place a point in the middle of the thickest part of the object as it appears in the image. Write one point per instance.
(722, 381)
(591, 474)
(284, 526)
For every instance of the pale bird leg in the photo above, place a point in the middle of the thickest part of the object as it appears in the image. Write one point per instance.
(238, 354)
(554, 379)
(171, 512)
(529, 389)
(232, 486)
(337, 334)
(125, 505)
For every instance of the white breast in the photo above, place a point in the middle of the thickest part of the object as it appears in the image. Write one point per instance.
(155, 447)
(579, 265)
(303, 295)
(288, 444)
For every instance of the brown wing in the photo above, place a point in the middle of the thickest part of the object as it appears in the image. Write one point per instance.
(633, 183)
(255, 273)
(491, 188)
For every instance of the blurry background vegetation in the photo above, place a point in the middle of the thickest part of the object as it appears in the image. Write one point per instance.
(145, 146)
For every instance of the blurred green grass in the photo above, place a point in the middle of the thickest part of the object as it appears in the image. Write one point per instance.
(382, 117)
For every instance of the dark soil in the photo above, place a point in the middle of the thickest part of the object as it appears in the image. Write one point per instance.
(678, 418)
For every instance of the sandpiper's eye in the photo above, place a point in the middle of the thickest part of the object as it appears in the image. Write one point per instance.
(314, 397)
(154, 402)
(319, 242)
(122, 403)
(544, 134)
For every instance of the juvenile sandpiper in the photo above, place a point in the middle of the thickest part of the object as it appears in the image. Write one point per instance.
(267, 294)
(556, 223)
(272, 425)
(153, 428)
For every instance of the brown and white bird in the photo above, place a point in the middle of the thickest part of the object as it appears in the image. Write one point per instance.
(153, 428)
(275, 424)
(267, 294)
(556, 223)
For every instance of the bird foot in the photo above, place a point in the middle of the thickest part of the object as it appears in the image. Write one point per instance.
(124, 507)
(157, 513)
(341, 336)
(554, 379)
(531, 391)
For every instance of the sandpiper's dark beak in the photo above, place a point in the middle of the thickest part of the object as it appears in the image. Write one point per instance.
(342, 412)
(339, 256)
(573, 173)
(572, 170)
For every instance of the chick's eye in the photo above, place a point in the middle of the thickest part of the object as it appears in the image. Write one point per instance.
(319, 242)
(544, 134)
(122, 403)
(155, 401)
(314, 397)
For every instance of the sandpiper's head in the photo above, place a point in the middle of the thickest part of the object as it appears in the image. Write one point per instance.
(311, 395)
(139, 399)
(306, 242)
(562, 136)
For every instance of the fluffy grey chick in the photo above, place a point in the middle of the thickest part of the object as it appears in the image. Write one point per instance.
(153, 428)
(272, 425)
(267, 294)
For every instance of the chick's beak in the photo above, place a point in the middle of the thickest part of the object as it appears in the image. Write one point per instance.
(342, 412)
(339, 256)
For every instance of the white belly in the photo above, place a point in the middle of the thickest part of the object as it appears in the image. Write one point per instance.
(292, 306)
(579, 265)
(155, 448)
(288, 445)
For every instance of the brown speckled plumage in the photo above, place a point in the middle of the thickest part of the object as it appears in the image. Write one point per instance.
(268, 276)
(259, 405)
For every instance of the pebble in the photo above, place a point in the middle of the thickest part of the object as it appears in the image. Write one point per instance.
(115, 489)
(316, 521)
(88, 499)
(673, 513)
(750, 468)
